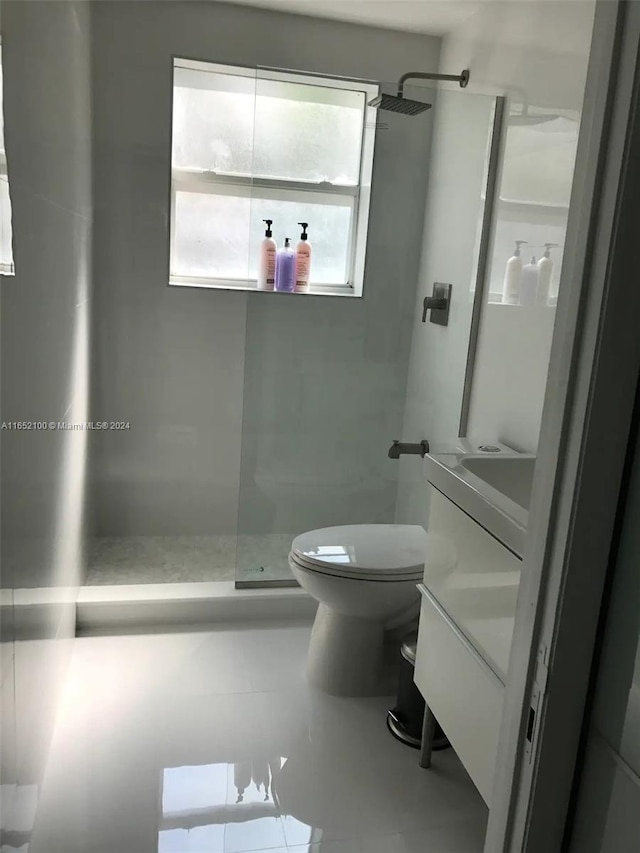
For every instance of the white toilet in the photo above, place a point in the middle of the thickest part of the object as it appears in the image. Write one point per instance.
(364, 578)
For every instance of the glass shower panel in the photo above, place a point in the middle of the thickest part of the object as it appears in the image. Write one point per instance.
(307, 132)
(326, 377)
(318, 417)
(169, 514)
(325, 388)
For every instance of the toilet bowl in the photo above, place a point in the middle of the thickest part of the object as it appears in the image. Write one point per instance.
(364, 578)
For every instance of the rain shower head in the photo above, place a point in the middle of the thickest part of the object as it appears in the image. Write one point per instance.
(398, 104)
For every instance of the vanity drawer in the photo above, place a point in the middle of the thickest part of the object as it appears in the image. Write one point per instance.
(474, 578)
(461, 689)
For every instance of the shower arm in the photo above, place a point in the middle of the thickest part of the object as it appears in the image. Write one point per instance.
(463, 79)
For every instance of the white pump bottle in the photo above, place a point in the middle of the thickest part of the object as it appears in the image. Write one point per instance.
(529, 283)
(513, 272)
(545, 268)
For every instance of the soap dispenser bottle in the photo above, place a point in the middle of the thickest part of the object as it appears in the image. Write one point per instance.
(286, 268)
(545, 268)
(303, 261)
(267, 259)
(529, 283)
(511, 286)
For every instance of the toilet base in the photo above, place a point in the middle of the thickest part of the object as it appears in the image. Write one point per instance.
(345, 654)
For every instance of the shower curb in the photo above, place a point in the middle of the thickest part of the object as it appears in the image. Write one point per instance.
(133, 607)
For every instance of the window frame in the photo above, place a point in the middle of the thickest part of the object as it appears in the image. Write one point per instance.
(357, 196)
(7, 267)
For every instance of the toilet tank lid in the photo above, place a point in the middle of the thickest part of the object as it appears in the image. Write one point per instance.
(373, 548)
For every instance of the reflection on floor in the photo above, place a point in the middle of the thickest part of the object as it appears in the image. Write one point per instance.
(188, 559)
(212, 743)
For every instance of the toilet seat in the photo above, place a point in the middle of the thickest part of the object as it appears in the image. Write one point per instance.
(370, 552)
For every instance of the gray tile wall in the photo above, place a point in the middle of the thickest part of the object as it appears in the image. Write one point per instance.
(45, 362)
(172, 360)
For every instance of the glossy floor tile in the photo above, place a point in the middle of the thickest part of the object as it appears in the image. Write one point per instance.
(212, 743)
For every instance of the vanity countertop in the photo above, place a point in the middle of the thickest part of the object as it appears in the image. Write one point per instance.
(492, 486)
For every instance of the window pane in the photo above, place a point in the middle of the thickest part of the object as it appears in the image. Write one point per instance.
(211, 235)
(6, 251)
(302, 134)
(229, 123)
(262, 124)
(213, 128)
(218, 236)
(329, 227)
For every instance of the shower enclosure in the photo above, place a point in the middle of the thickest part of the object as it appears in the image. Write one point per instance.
(314, 387)
(325, 378)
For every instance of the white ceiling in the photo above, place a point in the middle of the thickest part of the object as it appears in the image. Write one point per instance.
(435, 17)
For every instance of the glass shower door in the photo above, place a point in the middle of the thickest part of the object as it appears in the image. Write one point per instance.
(330, 381)
(318, 416)
(324, 374)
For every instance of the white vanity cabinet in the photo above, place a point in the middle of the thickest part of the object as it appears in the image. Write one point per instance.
(464, 639)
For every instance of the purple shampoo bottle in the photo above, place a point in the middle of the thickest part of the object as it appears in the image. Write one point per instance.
(286, 268)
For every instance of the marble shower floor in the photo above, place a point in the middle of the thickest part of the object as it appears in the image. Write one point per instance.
(187, 559)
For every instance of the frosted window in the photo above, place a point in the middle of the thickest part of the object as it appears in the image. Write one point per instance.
(213, 130)
(279, 130)
(330, 230)
(210, 236)
(297, 136)
(250, 145)
(211, 231)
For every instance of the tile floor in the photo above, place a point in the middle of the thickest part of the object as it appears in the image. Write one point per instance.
(212, 743)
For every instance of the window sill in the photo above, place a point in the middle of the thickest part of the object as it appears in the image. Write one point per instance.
(250, 286)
